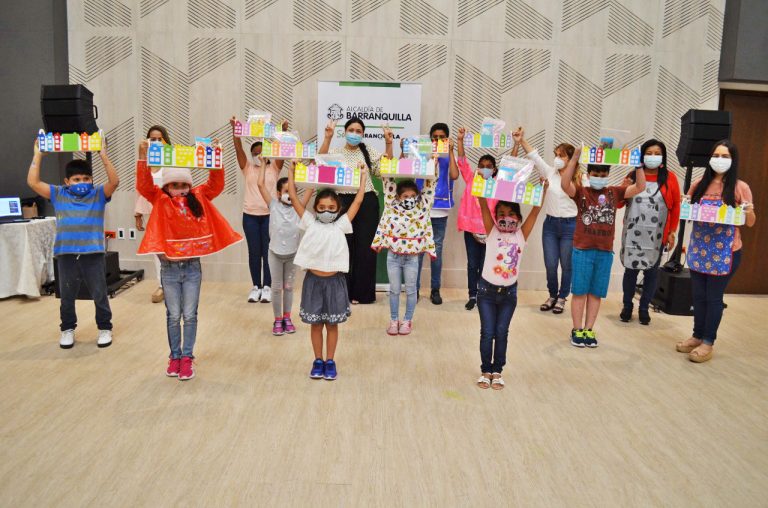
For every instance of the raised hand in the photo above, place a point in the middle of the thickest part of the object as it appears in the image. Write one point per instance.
(388, 135)
(232, 121)
(518, 134)
(462, 133)
(330, 128)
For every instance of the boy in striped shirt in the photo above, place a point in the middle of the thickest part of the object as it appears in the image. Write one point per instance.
(79, 246)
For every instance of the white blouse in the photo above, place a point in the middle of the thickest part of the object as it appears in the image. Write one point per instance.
(324, 246)
(557, 203)
(355, 156)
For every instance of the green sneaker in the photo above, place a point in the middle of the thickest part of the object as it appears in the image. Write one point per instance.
(577, 338)
(590, 338)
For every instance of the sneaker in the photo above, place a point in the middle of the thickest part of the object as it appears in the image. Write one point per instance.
(435, 297)
(330, 370)
(254, 295)
(174, 366)
(277, 327)
(393, 328)
(590, 338)
(266, 294)
(470, 304)
(644, 317)
(185, 369)
(577, 338)
(67, 339)
(318, 369)
(288, 325)
(105, 338)
(158, 296)
(626, 314)
(405, 327)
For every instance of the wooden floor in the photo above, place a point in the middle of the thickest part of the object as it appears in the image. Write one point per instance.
(631, 423)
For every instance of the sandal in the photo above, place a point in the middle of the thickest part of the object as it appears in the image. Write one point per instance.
(682, 347)
(484, 382)
(697, 356)
(497, 383)
(547, 305)
(559, 307)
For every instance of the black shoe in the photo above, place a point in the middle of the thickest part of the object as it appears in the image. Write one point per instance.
(626, 314)
(577, 338)
(471, 304)
(644, 316)
(435, 297)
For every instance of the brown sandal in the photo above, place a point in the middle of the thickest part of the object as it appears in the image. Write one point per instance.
(548, 305)
(559, 306)
(681, 347)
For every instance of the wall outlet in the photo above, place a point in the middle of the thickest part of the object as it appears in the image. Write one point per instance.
(121, 233)
(109, 234)
(132, 234)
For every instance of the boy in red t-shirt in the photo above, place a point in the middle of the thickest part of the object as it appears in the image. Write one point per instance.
(593, 243)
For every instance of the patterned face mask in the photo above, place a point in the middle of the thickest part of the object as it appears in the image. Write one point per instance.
(409, 203)
(507, 225)
(327, 217)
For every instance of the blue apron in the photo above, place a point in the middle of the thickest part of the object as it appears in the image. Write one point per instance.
(710, 250)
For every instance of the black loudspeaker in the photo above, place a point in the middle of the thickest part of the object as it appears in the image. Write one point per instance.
(112, 276)
(68, 108)
(673, 293)
(699, 130)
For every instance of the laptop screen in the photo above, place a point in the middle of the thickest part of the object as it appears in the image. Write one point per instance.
(10, 207)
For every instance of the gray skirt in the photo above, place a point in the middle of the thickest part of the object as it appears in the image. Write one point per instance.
(324, 299)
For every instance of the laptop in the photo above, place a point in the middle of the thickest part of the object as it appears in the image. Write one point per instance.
(10, 211)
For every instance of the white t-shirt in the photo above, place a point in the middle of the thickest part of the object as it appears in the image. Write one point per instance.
(324, 246)
(283, 228)
(557, 203)
(503, 252)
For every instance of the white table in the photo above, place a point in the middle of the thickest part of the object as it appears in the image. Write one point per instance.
(26, 256)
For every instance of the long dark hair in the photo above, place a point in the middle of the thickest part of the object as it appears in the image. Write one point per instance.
(362, 146)
(663, 172)
(328, 193)
(729, 178)
(192, 202)
(162, 130)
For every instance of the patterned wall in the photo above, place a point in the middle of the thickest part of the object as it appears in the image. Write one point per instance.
(563, 69)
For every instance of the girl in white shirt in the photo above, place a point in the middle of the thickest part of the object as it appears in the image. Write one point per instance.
(324, 254)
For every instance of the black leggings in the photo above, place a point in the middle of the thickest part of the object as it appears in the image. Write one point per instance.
(361, 279)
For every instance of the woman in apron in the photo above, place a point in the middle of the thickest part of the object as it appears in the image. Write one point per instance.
(714, 250)
(650, 225)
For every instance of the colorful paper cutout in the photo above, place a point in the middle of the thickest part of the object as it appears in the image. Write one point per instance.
(255, 129)
(423, 145)
(610, 156)
(510, 183)
(722, 214)
(410, 167)
(321, 175)
(491, 135)
(202, 155)
(275, 149)
(69, 142)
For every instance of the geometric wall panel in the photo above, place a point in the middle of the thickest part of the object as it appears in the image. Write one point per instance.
(362, 69)
(417, 60)
(470, 9)
(164, 97)
(579, 107)
(576, 11)
(253, 7)
(316, 16)
(211, 14)
(104, 52)
(267, 88)
(476, 95)
(625, 27)
(310, 57)
(360, 8)
(147, 7)
(680, 13)
(106, 13)
(122, 153)
(521, 64)
(206, 54)
(417, 17)
(522, 21)
(623, 70)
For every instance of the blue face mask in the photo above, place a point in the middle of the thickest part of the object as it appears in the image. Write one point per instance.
(353, 138)
(80, 189)
(652, 161)
(486, 172)
(598, 182)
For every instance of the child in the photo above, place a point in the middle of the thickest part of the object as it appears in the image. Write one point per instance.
(324, 254)
(184, 225)
(283, 243)
(79, 245)
(405, 230)
(497, 288)
(593, 242)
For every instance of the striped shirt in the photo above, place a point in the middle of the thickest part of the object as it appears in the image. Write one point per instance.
(79, 221)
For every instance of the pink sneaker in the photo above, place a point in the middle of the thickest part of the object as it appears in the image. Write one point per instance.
(174, 365)
(405, 327)
(186, 371)
(277, 327)
(288, 325)
(393, 327)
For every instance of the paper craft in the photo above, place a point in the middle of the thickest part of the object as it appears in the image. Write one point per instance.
(722, 214)
(320, 175)
(510, 183)
(423, 145)
(491, 135)
(256, 129)
(203, 155)
(410, 167)
(610, 156)
(275, 149)
(69, 142)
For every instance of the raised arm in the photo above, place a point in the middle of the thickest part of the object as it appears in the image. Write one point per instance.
(242, 159)
(306, 197)
(453, 169)
(278, 163)
(566, 181)
(355, 205)
(112, 179)
(388, 137)
(299, 206)
(519, 137)
(33, 176)
(460, 141)
(487, 217)
(330, 128)
(530, 221)
(637, 187)
(260, 181)
(144, 183)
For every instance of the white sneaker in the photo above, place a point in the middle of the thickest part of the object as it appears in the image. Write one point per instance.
(254, 295)
(67, 339)
(105, 338)
(266, 294)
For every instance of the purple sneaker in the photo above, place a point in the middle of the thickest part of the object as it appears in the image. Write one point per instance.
(277, 328)
(288, 325)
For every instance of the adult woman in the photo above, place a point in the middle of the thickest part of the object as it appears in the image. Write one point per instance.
(714, 250)
(650, 224)
(361, 279)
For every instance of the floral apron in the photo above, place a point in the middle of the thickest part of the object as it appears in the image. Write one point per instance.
(710, 250)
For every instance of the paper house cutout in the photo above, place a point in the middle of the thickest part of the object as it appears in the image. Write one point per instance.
(200, 156)
(322, 176)
(722, 214)
(510, 183)
(255, 129)
(423, 145)
(274, 149)
(610, 156)
(488, 140)
(410, 167)
(69, 142)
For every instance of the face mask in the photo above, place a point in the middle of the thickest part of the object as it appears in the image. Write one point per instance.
(558, 164)
(598, 182)
(486, 172)
(326, 217)
(285, 198)
(177, 193)
(652, 161)
(720, 164)
(353, 139)
(507, 225)
(80, 189)
(408, 203)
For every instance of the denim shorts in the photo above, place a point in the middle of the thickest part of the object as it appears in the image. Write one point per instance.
(591, 272)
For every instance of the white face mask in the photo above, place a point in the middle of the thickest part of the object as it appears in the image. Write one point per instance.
(285, 198)
(558, 164)
(652, 161)
(720, 164)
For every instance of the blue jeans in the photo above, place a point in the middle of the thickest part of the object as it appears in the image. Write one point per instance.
(708, 291)
(402, 266)
(496, 305)
(436, 267)
(557, 240)
(75, 269)
(181, 287)
(650, 281)
(475, 259)
(256, 229)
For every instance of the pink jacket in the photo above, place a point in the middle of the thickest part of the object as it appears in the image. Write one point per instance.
(470, 219)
